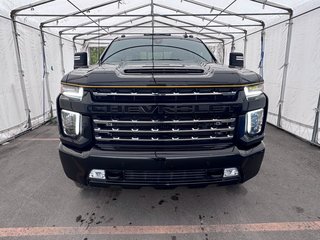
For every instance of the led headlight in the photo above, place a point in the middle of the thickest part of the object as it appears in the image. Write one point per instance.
(72, 91)
(254, 122)
(71, 123)
(253, 91)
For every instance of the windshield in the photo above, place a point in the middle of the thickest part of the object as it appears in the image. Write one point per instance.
(162, 49)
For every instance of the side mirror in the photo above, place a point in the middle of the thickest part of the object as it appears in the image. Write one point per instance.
(80, 60)
(236, 59)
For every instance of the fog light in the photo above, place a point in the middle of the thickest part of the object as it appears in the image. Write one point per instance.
(97, 174)
(230, 172)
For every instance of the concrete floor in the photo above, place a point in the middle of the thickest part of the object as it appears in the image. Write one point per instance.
(36, 193)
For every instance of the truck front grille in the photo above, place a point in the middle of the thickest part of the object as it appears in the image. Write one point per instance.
(164, 115)
(164, 131)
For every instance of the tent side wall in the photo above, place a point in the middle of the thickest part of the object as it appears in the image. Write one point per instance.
(12, 113)
(303, 84)
(302, 88)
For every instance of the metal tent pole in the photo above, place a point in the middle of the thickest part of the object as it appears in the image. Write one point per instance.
(188, 30)
(223, 52)
(74, 45)
(285, 71)
(287, 52)
(222, 11)
(230, 13)
(85, 24)
(152, 14)
(20, 70)
(278, 6)
(262, 43)
(245, 49)
(75, 14)
(148, 22)
(63, 71)
(28, 6)
(223, 24)
(194, 25)
(13, 14)
(45, 72)
(140, 32)
(119, 25)
(272, 4)
(242, 15)
(315, 131)
(133, 19)
(111, 32)
(232, 45)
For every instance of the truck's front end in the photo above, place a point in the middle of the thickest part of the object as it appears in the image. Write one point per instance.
(159, 111)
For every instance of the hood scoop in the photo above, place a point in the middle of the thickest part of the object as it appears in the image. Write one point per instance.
(163, 70)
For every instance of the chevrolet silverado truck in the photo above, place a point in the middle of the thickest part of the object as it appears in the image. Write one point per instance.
(159, 110)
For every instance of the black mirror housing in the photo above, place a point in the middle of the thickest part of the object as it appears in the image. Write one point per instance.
(236, 60)
(80, 60)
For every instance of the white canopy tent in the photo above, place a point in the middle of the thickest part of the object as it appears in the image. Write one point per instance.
(280, 40)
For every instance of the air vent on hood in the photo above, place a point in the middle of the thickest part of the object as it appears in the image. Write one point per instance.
(164, 70)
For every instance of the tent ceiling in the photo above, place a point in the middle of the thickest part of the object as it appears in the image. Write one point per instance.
(102, 19)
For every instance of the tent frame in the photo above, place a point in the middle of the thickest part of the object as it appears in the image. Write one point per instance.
(183, 25)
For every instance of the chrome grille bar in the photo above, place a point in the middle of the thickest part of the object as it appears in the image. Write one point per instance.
(229, 120)
(103, 139)
(113, 130)
(169, 127)
(102, 94)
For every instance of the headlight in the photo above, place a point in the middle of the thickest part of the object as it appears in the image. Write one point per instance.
(253, 91)
(71, 123)
(254, 122)
(72, 91)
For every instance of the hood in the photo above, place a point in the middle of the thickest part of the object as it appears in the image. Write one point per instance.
(166, 73)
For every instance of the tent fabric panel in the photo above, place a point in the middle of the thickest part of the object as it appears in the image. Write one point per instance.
(12, 112)
(32, 65)
(239, 46)
(54, 67)
(303, 82)
(274, 57)
(67, 55)
(253, 52)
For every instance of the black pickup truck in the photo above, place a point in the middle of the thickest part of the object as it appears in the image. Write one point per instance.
(158, 110)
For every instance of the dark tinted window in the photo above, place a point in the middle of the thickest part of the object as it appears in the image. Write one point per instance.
(163, 49)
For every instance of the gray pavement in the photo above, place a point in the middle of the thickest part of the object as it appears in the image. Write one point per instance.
(34, 192)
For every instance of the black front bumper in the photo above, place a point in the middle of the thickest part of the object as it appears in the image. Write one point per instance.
(165, 168)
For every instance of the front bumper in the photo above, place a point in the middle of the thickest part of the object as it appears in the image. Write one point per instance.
(165, 168)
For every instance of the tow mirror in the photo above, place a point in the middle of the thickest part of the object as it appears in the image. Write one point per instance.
(236, 59)
(80, 60)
